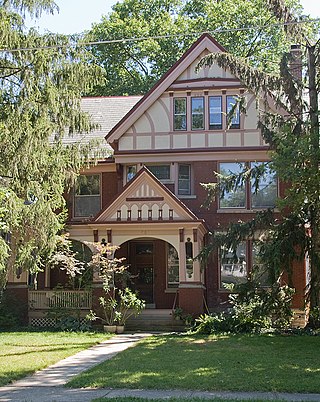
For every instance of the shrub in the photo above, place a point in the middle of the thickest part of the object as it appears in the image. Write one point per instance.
(253, 310)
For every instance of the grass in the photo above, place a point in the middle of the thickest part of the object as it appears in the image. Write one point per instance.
(225, 362)
(22, 353)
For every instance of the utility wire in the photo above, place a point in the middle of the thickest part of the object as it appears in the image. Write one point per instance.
(128, 40)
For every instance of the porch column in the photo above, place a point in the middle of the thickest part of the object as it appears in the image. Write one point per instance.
(182, 256)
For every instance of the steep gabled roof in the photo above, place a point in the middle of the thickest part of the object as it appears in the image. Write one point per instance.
(146, 192)
(205, 42)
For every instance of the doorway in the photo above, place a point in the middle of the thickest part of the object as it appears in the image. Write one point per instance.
(141, 260)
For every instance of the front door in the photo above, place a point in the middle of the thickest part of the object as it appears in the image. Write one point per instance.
(141, 267)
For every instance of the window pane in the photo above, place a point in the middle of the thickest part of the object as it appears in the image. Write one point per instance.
(197, 106)
(233, 266)
(162, 172)
(88, 185)
(173, 267)
(86, 205)
(266, 195)
(184, 182)
(180, 114)
(131, 172)
(87, 196)
(235, 121)
(259, 271)
(237, 197)
(215, 112)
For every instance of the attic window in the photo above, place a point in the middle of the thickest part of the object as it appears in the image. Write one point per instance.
(180, 114)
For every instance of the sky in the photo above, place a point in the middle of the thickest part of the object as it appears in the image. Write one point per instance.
(76, 16)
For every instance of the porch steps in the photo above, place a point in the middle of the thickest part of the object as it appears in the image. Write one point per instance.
(155, 320)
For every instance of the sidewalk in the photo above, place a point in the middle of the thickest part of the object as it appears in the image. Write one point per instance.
(47, 385)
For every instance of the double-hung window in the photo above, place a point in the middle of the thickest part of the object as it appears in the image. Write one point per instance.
(180, 114)
(162, 172)
(233, 109)
(197, 113)
(184, 179)
(87, 196)
(215, 112)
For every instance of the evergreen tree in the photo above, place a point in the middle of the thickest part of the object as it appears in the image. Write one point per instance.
(292, 131)
(42, 78)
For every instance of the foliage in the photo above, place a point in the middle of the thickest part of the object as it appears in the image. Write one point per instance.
(129, 305)
(164, 30)
(119, 302)
(11, 312)
(253, 310)
(42, 78)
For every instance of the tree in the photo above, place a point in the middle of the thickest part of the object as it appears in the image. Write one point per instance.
(42, 78)
(248, 29)
(292, 131)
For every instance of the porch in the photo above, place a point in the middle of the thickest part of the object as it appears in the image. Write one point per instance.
(45, 305)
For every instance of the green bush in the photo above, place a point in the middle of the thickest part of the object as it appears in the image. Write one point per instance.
(11, 311)
(253, 310)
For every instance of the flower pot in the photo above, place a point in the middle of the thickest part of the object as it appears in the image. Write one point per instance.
(110, 328)
(120, 329)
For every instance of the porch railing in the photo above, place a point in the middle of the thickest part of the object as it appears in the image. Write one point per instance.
(72, 299)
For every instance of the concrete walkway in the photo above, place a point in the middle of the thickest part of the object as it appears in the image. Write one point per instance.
(47, 385)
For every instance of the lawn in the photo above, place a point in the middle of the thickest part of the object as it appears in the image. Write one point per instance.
(22, 353)
(225, 362)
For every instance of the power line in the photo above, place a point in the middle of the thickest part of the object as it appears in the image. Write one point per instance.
(169, 36)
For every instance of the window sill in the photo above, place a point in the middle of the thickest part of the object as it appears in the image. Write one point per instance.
(185, 197)
(171, 290)
(242, 210)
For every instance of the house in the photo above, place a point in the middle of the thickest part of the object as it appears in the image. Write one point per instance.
(147, 197)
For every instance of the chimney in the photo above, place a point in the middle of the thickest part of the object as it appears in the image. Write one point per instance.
(296, 62)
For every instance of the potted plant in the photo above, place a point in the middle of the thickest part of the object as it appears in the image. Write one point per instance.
(110, 314)
(129, 305)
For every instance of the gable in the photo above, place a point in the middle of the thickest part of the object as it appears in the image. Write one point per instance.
(145, 199)
(204, 44)
(150, 125)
